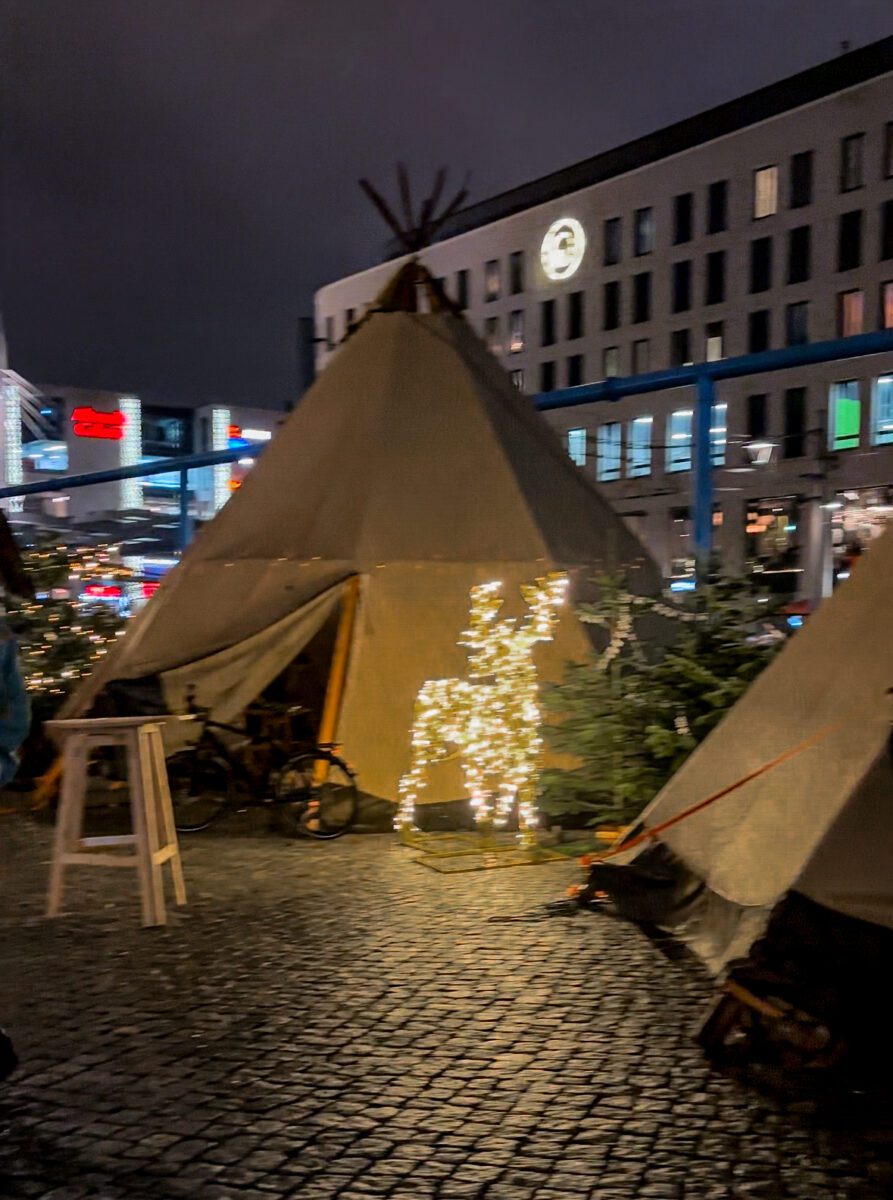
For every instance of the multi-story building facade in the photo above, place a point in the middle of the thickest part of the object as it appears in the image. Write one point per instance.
(765, 222)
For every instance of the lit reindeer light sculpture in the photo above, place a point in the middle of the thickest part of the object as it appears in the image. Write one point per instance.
(491, 719)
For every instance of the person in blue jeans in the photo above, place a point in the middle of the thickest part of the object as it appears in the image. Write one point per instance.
(15, 710)
(15, 721)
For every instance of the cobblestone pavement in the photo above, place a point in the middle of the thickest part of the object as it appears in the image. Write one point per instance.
(335, 1021)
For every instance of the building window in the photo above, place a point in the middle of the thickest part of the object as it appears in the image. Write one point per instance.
(799, 245)
(683, 218)
(844, 415)
(518, 379)
(638, 447)
(715, 283)
(608, 452)
(765, 192)
(612, 304)
(794, 423)
(886, 230)
(547, 377)
(491, 335)
(641, 297)
(758, 338)
(330, 333)
(680, 348)
(492, 281)
(850, 313)
(575, 370)
(462, 289)
(887, 152)
(718, 434)
(643, 231)
(713, 342)
(679, 440)
(516, 272)
(757, 415)
(849, 240)
(717, 206)
(851, 162)
(797, 324)
(516, 331)
(350, 319)
(576, 446)
(641, 356)
(575, 315)
(611, 248)
(882, 411)
(801, 179)
(681, 286)
(761, 264)
(547, 323)
(610, 362)
(887, 306)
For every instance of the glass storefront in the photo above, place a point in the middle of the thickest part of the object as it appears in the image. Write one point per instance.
(772, 543)
(859, 517)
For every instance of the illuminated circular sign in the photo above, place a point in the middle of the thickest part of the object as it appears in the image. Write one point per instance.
(563, 247)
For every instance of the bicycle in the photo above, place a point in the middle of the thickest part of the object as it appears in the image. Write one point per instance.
(313, 788)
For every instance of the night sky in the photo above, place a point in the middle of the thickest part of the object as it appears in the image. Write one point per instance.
(178, 176)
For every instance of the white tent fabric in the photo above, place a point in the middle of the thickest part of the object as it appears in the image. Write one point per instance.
(414, 463)
(823, 820)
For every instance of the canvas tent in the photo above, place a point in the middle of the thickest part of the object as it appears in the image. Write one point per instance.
(410, 471)
(820, 824)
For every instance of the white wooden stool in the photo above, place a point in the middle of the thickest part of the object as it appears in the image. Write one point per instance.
(153, 836)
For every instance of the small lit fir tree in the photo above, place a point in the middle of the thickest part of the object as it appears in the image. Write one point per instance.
(631, 715)
(61, 636)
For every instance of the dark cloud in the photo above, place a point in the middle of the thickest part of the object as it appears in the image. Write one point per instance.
(178, 176)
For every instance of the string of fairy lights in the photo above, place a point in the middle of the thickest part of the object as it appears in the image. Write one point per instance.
(491, 720)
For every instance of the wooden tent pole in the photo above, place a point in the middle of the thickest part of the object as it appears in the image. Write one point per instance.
(328, 724)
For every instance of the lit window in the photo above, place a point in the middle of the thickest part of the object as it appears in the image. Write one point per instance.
(643, 231)
(765, 192)
(846, 415)
(492, 280)
(516, 331)
(576, 446)
(641, 356)
(679, 440)
(882, 411)
(714, 341)
(887, 305)
(850, 313)
(718, 433)
(851, 162)
(491, 335)
(518, 380)
(638, 460)
(611, 362)
(608, 452)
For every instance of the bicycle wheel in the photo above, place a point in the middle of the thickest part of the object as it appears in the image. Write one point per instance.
(318, 794)
(200, 789)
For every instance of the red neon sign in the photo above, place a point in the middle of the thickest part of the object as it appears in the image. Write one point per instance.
(149, 590)
(104, 591)
(89, 422)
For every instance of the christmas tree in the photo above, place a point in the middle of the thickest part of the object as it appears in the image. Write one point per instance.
(632, 714)
(63, 634)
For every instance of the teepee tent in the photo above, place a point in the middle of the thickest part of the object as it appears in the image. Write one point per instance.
(410, 471)
(819, 823)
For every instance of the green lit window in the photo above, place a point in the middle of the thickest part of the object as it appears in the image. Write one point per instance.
(638, 461)
(576, 446)
(608, 452)
(679, 440)
(718, 434)
(845, 415)
(882, 411)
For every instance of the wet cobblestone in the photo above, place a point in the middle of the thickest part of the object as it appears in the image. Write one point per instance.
(334, 1021)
